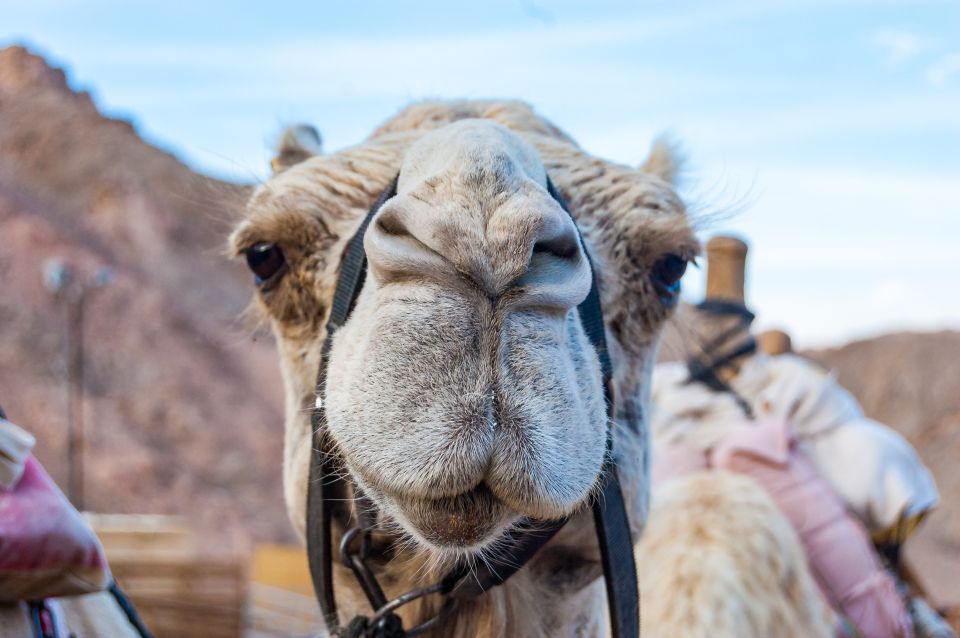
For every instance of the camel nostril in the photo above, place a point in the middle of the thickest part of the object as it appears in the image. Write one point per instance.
(402, 246)
(564, 247)
(557, 275)
(391, 225)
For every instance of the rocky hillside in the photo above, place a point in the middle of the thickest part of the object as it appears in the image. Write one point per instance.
(183, 406)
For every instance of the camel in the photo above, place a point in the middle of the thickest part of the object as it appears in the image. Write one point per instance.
(462, 392)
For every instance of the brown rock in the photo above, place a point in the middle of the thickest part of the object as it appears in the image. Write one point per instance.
(183, 408)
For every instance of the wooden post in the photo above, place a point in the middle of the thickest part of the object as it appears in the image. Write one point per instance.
(774, 342)
(726, 268)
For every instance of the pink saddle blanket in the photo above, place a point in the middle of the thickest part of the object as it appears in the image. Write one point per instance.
(47, 549)
(838, 548)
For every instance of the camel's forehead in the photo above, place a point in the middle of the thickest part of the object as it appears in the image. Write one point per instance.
(471, 154)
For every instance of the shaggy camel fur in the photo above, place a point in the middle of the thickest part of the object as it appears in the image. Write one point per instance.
(718, 558)
(463, 393)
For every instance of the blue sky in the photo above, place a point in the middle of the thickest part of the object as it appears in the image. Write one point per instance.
(827, 133)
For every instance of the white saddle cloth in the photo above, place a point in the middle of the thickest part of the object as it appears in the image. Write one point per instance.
(874, 469)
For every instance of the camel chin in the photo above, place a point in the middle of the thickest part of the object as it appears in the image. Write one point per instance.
(468, 523)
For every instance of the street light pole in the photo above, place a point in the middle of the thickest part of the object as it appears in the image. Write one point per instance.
(75, 367)
(59, 278)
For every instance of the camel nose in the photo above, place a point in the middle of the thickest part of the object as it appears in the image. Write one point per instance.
(527, 251)
(402, 244)
(557, 274)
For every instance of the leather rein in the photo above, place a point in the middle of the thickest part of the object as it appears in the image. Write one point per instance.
(327, 494)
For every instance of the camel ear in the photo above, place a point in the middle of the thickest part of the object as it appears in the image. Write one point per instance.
(295, 144)
(665, 160)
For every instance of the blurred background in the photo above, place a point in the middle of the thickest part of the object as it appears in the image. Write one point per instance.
(827, 134)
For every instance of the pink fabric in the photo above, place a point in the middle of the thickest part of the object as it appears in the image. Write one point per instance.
(838, 548)
(675, 461)
(47, 549)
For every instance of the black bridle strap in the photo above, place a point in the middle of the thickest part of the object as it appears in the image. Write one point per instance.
(609, 510)
(522, 544)
(616, 553)
(725, 308)
(323, 477)
(610, 517)
(590, 311)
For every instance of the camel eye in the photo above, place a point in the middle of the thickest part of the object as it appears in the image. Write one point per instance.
(666, 275)
(267, 262)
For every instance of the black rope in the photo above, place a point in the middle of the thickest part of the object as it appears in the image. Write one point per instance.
(129, 610)
(723, 307)
(704, 369)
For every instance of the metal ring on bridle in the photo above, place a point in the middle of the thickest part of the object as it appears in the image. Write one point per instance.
(346, 541)
(409, 597)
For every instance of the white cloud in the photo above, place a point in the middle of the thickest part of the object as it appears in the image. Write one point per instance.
(940, 74)
(900, 46)
(838, 254)
(769, 124)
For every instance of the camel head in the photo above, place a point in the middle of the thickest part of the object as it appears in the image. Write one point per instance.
(463, 394)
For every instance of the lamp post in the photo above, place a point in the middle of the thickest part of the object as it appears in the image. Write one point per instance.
(61, 280)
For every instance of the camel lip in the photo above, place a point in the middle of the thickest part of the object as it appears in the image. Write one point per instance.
(467, 520)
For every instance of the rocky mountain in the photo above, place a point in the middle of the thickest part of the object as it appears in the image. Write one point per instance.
(182, 403)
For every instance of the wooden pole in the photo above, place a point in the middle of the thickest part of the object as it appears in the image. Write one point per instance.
(726, 268)
(774, 342)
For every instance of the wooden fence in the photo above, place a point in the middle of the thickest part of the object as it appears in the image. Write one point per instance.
(179, 590)
(281, 601)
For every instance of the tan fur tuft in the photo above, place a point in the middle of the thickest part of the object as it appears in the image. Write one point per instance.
(296, 144)
(665, 160)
